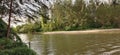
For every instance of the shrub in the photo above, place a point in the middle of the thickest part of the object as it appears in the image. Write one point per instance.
(18, 51)
(10, 47)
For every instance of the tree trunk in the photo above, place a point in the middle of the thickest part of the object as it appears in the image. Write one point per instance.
(9, 21)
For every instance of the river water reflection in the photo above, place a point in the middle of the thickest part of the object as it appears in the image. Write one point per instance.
(74, 44)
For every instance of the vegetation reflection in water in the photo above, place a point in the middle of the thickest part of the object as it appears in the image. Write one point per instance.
(75, 44)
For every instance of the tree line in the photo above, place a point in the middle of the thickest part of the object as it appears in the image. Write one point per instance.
(67, 16)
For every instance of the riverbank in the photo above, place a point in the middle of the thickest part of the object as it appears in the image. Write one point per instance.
(10, 47)
(85, 31)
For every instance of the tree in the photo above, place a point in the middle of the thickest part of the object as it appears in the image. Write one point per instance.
(22, 8)
(9, 21)
(67, 15)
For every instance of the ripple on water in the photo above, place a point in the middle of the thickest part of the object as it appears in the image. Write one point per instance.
(115, 47)
(89, 53)
(111, 52)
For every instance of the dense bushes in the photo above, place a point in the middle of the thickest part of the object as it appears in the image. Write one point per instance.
(18, 51)
(29, 27)
(10, 47)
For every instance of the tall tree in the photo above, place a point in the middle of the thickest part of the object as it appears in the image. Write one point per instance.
(23, 8)
(9, 21)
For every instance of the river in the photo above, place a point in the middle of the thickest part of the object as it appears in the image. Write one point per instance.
(74, 44)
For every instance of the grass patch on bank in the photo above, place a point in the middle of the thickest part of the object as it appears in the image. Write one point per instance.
(10, 47)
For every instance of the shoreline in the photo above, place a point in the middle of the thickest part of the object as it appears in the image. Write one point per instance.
(85, 31)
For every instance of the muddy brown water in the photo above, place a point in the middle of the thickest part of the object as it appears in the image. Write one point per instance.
(74, 44)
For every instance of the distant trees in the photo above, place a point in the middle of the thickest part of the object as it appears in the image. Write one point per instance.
(96, 15)
(68, 16)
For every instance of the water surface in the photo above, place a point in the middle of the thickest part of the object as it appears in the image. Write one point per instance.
(74, 44)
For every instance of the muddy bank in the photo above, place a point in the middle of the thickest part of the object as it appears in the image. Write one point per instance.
(85, 31)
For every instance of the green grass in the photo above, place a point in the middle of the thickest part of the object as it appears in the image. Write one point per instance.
(10, 47)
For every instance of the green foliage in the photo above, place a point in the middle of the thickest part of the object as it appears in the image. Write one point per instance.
(3, 31)
(18, 51)
(8, 43)
(10, 47)
(108, 16)
(30, 27)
